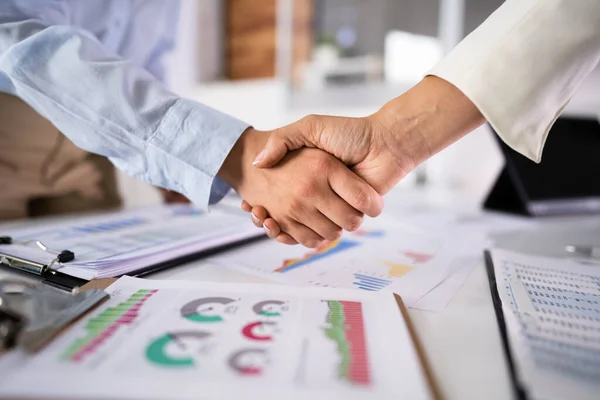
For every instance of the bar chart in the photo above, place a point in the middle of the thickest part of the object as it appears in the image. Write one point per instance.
(367, 282)
(347, 330)
(105, 325)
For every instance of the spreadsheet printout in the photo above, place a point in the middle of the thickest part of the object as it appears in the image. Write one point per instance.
(552, 313)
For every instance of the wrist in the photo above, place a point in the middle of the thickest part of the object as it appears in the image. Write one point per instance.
(426, 119)
(235, 167)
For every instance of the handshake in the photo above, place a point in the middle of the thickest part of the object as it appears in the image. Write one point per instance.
(306, 182)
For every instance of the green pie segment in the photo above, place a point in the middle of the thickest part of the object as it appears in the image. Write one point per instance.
(157, 351)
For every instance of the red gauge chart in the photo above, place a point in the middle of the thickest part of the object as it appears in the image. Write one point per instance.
(261, 331)
(249, 362)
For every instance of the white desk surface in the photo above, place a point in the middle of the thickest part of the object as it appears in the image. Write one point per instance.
(462, 344)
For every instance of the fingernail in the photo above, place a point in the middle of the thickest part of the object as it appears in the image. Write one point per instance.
(259, 157)
(266, 229)
(254, 218)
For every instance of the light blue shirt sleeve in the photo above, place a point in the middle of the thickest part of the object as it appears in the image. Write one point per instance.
(108, 106)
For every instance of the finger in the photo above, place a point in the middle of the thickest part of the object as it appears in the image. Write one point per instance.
(341, 213)
(355, 191)
(292, 137)
(272, 228)
(286, 239)
(259, 214)
(246, 206)
(320, 224)
(302, 234)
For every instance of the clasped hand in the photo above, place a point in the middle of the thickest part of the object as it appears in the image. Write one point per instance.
(377, 150)
(311, 194)
(360, 154)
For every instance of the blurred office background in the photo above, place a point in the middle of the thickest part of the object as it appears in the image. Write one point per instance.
(270, 62)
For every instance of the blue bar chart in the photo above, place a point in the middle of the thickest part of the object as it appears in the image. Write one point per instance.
(366, 282)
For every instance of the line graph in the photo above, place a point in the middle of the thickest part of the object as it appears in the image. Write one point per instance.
(322, 252)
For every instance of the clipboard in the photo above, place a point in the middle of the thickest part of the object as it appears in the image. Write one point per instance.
(519, 389)
(66, 282)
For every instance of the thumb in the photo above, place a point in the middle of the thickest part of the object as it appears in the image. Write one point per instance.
(275, 149)
(288, 138)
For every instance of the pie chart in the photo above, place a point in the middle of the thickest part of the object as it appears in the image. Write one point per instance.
(207, 309)
(268, 308)
(176, 349)
(259, 331)
(248, 361)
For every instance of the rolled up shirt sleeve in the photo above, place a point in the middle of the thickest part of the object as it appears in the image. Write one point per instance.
(524, 63)
(107, 105)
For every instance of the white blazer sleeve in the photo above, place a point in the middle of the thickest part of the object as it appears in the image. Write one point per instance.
(523, 64)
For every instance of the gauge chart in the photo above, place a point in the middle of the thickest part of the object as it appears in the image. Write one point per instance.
(259, 331)
(206, 310)
(269, 308)
(248, 362)
(176, 349)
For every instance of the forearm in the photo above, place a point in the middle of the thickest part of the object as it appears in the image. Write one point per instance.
(425, 120)
(524, 63)
(107, 105)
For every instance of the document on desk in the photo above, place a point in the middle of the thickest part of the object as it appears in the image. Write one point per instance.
(184, 340)
(119, 243)
(551, 309)
(383, 255)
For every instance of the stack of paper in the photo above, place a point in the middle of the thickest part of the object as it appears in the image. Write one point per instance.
(191, 340)
(551, 312)
(123, 242)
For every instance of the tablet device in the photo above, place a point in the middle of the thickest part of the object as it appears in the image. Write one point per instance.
(567, 181)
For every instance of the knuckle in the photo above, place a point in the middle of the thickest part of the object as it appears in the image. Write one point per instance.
(353, 222)
(295, 210)
(334, 234)
(311, 243)
(362, 200)
(321, 163)
(309, 119)
(306, 189)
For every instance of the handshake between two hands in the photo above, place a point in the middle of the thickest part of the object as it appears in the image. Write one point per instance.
(319, 176)
(308, 181)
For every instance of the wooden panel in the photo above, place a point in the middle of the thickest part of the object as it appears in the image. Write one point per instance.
(251, 38)
(303, 41)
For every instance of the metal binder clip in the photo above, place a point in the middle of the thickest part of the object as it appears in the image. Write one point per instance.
(60, 257)
(31, 315)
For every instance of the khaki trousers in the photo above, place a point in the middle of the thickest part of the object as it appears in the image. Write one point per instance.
(43, 173)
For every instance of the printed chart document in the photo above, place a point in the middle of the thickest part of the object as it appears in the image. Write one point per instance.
(192, 340)
(551, 309)
(119, 243)
(384, 255)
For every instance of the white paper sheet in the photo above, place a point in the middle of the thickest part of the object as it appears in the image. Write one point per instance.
(552, 313)
(180, 340)
(384, 255)
(122, 242)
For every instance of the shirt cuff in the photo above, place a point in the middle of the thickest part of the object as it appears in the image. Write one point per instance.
(188, 149)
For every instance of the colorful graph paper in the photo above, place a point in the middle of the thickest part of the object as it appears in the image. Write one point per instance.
(322, 252)
(367, 282)
(348, 332)
(102, 327)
